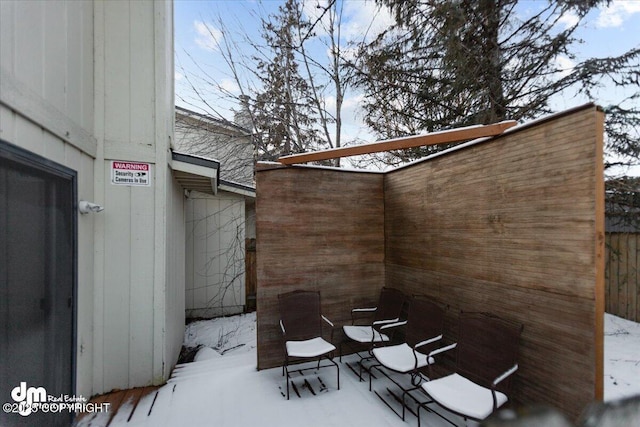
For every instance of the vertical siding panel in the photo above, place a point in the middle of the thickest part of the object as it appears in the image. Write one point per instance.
(74, 76)
(7, 41)
(175, 307)
(212, 244)
(55, 53)
(199, 252)
(117, 276)
(189, 255)
(142, 79)
(29, 44)
(118, 89)
(141, 289)
(87, 64)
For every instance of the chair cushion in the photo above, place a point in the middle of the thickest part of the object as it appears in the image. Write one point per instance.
(309, 348)
(400, 358)
(463, 396)
(363, 334)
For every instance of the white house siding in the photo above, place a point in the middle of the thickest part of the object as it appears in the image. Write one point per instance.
(215, 235)
(175, 284)
(225, 142)
(134, 115)
(46, 107)
(83, 83)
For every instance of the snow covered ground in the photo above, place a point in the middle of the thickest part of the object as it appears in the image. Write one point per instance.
(223, 388)
(621, 358)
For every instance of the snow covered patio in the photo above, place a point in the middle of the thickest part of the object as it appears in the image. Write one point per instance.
(226, 390)
(223, 388)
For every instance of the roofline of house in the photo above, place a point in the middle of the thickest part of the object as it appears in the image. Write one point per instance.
(212, 120)
(238, 188)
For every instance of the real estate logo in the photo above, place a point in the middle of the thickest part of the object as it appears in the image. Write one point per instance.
(27, 400)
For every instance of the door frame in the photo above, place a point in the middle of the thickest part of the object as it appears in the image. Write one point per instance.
(29, 159)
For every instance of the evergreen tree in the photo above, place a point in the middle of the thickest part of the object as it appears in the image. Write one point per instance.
(283, 111)
(450, 63)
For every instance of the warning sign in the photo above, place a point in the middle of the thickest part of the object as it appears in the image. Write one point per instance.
(130, 173)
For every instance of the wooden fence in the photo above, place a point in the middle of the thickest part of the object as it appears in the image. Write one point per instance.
(485, 227)
(251, 280)
(622, 284)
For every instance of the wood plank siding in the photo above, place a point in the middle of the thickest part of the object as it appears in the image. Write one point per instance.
(316, 230)
(510, 227)
(513, 226)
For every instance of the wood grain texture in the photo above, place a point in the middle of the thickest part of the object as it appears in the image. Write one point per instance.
(513, 226)
(510, 227)
(317, 230)
(622, 281)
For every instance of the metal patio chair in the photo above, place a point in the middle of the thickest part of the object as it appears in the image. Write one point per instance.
(487, 354)
(388, 310)
(423, 331)
(301, 324)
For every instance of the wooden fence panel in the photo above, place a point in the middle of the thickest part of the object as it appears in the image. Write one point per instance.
(316, 229)
(514, 227)
(622, 282)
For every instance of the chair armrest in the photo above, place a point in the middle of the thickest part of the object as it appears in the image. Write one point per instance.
(327, 320)
(384, 322)
(442, 349)
(282, 327)
(429, 341)
(359, 310)
(361, 313)
(393, 325)
(505, 374)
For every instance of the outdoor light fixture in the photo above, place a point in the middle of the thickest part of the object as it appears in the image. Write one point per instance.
(87, 207)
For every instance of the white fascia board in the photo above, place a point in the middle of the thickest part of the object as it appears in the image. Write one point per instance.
(195, 176)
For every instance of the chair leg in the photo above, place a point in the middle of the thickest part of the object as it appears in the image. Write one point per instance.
(371, 374)
(285, 368)
(405, 393)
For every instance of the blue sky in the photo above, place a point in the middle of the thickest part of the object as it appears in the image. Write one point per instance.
(608, 31)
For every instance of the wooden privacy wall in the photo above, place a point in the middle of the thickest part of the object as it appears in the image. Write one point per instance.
(316, 229)
(622, 281)
(514, 226)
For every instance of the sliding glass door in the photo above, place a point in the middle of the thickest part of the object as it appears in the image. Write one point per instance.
(37, 279)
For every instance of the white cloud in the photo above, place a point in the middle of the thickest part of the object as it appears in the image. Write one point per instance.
(569, 19)
(365, 19)
(230, 86)
(178, 76)
(359, 18)
(615, 14)
(207, 36)
(565, 65)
